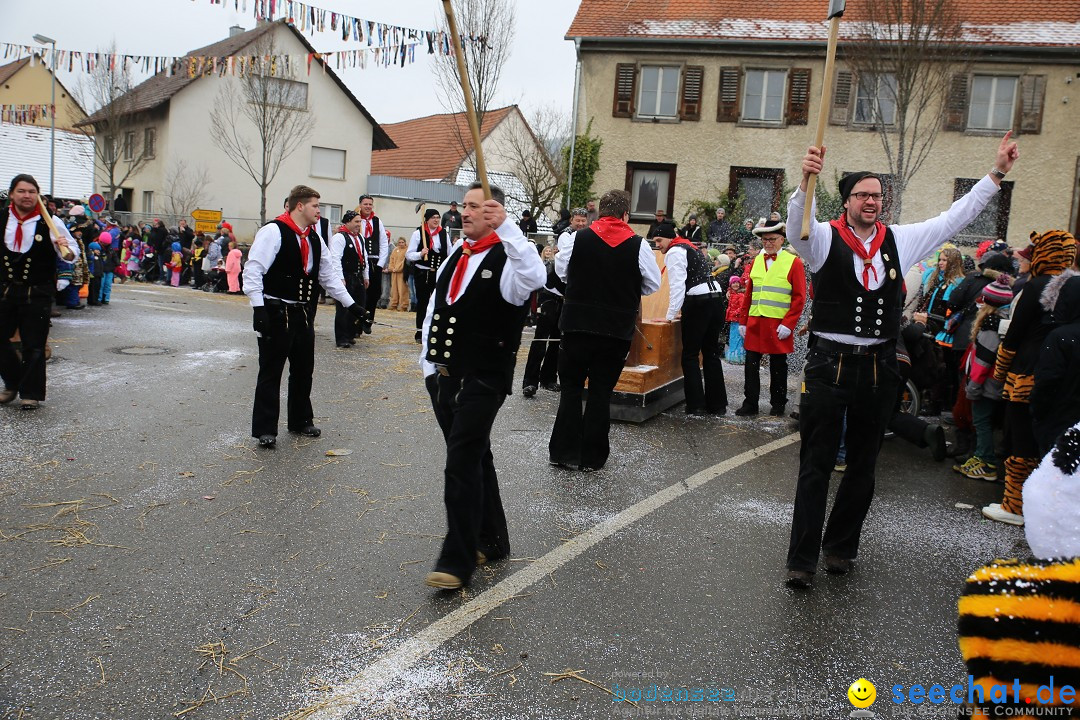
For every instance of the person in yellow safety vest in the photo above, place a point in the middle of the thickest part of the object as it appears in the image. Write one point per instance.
(777, 291)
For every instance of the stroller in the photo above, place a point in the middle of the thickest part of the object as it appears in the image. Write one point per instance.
(148, 266)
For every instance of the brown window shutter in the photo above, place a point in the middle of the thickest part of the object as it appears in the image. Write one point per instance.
(1032, 92)
(690, 103)
(840, 112)
(956, 106)
(727, 109)
(798, 96)
(625, 89)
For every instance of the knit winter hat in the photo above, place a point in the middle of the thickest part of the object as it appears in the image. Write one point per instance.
(998, 293)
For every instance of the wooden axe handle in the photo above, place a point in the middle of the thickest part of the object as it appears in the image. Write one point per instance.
(466, 89)
(823, 117)
(65, 251)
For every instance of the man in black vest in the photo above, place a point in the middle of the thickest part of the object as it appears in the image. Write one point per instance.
(376, 240)
(27, 287)
(286, 264)
(858, 265)
(347, 250)
(607, 268)
(472, 330)
(693, 290)
(428, 247)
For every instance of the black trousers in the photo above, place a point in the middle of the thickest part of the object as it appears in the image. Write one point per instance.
(581, 438)
(702, 322)
(865, 386)
(465, 409)
(292, 338)
(345, 329)
(374, 289)
(25, 308)
(542, 365)
(778, 374)
(424, 282)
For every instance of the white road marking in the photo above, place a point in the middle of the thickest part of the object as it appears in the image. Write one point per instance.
(362, 687)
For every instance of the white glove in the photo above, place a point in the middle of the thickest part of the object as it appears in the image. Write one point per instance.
(742, 331)
(783, 332)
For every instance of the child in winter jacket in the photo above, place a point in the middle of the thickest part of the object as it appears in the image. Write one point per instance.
(981, 388)
(736, 298)
(399, 290)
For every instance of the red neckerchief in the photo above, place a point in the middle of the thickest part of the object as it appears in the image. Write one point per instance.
(612, 230)
(301, 235)
(367, 224)
(18, 225)
(355, 242)
(467, 250)
(859, 249)
(426, 232)
(677, 241)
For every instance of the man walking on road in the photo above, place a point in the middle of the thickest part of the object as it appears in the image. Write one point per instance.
(858, 265)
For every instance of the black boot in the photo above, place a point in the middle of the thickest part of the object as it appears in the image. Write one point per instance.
(965, 439)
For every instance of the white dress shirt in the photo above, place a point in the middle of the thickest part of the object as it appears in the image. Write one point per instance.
(337, 249)
(523, 273)
(676, 264)
(28, 228)
(413, 253)
(650, 271)
(914, 241)
(264, 249)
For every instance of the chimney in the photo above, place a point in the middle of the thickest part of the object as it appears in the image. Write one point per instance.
(236, 30)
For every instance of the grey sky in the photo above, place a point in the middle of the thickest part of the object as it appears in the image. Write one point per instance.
(540, 71)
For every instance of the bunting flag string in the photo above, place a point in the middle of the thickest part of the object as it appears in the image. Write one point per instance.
(401, 52)
(24, 114)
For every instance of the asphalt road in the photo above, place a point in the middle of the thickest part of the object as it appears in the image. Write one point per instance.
(155, 564)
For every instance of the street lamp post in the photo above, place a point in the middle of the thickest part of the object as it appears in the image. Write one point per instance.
(43, 40)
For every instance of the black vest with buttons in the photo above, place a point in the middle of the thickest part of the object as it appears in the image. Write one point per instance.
(697, 272)
(480, 332)
(285, 278)
(350, 257)
(36, 266)
(843, 306)
(372, 243)
(435, 259)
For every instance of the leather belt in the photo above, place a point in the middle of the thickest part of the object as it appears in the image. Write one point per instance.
(831, 346)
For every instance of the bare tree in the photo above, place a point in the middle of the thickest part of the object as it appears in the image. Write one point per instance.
(108, 92)
(488, 27)
(904, 56)
(263, 121)
(534, 149)
(184, 188)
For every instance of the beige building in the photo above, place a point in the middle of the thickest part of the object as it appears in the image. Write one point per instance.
(171, 116)
(29, 82)
(694, 99)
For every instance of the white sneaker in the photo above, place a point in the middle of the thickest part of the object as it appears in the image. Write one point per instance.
(994, 512)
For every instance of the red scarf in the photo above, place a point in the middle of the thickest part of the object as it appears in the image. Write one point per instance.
(355, 241)
(367, 225)
(612, 230)
(301, 235)
(859, 249)
(683, 241)
(467, 250)
(18, 225)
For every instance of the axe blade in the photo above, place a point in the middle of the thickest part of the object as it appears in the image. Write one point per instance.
(836, 8)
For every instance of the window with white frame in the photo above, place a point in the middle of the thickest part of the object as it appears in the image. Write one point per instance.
(150, 142)
(659, 94)
(875, 100)
(327, 163)
(148, 201)
(993, 100)
(129, 145)
(331, 213)
(763, 95)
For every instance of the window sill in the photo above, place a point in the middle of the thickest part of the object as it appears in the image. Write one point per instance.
(326, 177)
(985, 132)
(655, 120)
(869, 127)
(773, 124)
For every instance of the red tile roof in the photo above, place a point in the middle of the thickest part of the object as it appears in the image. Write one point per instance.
(432, 147)
(1017, 22)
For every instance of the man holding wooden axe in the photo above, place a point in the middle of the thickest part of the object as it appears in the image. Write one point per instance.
(858, 265)
(32, 242)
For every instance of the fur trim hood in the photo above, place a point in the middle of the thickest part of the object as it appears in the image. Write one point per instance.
(1052, 291)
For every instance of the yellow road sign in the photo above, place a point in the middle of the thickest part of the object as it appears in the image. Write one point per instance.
(205, 227)
(213, 216)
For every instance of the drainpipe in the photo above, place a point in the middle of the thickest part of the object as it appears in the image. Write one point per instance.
(574, 120)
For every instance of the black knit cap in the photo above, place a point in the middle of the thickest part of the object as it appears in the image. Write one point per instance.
(349, 215)
(848, 182)
(430, 213)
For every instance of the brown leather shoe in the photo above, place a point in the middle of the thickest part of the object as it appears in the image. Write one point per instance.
(799, 579)
(481, 558)
(7, 396)
(837, 565)
(443, 581)
(30, 404)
